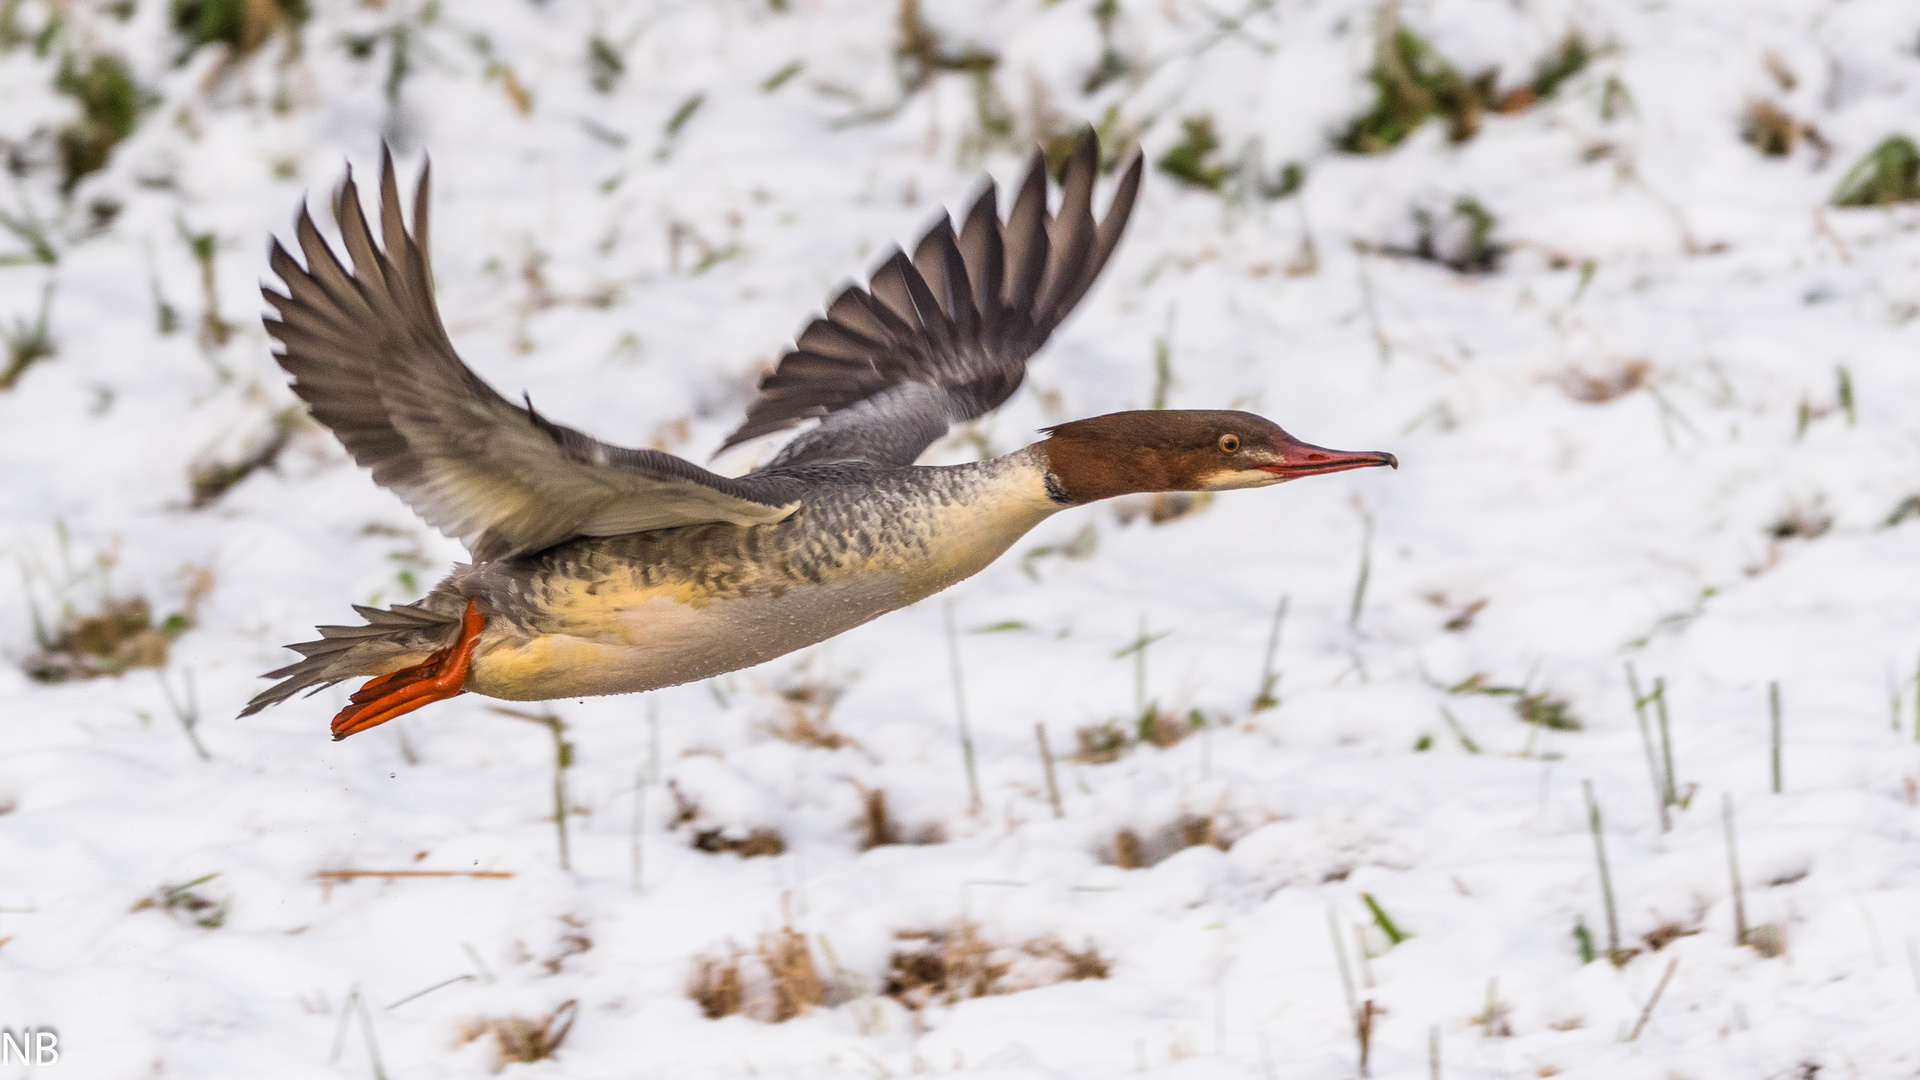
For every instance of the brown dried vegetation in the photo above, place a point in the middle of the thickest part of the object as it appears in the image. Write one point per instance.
(1597, 389)
(775, 983)
(1666, 934)
(807, 704)
(954, 963)
(879, 828)
(209, 480)
(1161, 507)
(1099, 743)
(572, 942)
(1808, 520)
(720, 839)
(1775, 132)
(119, 637)
(1164, 729)
(755, 843)
(1130, 850)
(519, 1040)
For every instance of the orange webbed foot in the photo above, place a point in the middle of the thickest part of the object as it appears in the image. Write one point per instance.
(440, 676)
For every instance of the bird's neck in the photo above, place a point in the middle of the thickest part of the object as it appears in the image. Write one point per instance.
(1087, 470)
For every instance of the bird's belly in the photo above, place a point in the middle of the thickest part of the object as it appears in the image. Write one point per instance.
(591, 644)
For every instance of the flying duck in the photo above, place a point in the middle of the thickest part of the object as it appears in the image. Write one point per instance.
(603, 570)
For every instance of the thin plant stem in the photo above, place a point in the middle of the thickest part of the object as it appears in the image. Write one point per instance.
(1046, 760)
(1606, 879)
(1492, 1014)
(642, 784)
(486, 973)
(1137, 648)
(1733, 872)
(1466, 741)
(1666, 739)
(1270, 678)
(1773, 706)
(366, 1031)
(562, 761)
(1917, 702)
(189, 715)
(346, 1017)
(1363, 956)
(1647, 1012)
(1366, 570)
(1140, 672)
(1380, 340)
(1433, 1053)
(468, 977)
(1646, 741)
(1365, 1031)
(960, 709)
(1382, 920)
(356, 873)
(1346, 972)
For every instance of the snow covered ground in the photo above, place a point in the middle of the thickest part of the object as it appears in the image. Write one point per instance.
(1629, 444)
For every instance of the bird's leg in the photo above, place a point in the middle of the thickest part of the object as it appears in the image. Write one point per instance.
(438, 677)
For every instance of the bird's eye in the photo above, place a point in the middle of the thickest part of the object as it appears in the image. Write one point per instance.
(1229, 443)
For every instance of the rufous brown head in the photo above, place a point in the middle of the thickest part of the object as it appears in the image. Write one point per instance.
(1183, 450)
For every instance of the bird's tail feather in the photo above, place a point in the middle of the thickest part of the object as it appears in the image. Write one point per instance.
(391, 639)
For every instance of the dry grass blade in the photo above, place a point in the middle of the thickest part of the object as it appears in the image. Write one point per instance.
(520, 1040)
(1046, 760)
(351, 875)
(1647, 1013)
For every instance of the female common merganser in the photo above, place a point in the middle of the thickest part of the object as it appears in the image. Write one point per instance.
(603, 570)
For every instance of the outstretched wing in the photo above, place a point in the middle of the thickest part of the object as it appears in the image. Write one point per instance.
(944, 336)
(369, 355)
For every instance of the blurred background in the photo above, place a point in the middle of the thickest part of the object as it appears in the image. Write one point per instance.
(1587, 743)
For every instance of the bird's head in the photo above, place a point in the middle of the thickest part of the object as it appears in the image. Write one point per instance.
(1183, 450)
